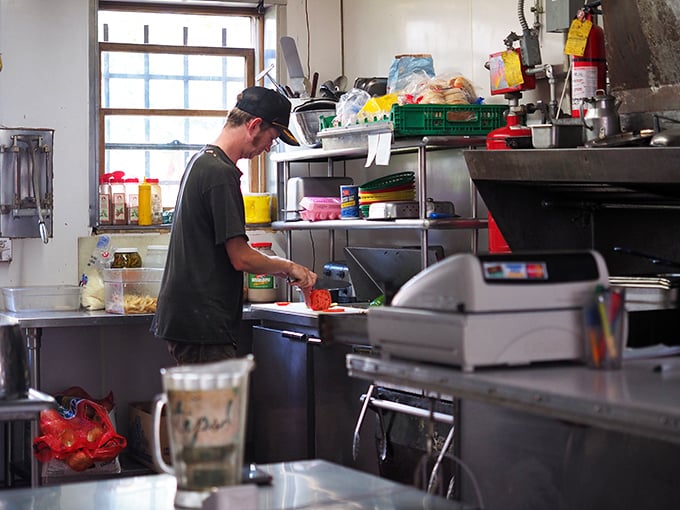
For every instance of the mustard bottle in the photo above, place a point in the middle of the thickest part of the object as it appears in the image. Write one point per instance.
(144, 203)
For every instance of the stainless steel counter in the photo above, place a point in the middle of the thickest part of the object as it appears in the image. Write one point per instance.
(296, 485)
(639, 399)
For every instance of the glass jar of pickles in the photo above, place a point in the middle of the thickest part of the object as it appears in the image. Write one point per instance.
(126, 257)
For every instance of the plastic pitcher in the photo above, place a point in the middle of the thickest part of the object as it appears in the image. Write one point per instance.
(206, 413)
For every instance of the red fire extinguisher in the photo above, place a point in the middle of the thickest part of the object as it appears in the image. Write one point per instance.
(589, 72)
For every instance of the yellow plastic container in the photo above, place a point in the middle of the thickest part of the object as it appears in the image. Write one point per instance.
(258, 208)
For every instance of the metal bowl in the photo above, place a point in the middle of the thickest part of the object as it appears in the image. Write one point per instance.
(308, 126)
(307, 119)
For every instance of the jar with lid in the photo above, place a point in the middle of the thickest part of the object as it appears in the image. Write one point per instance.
(156, 202)
(126, 258)
(262, 288)
(132, 200)
(105, 200)
(118, 201)
(156, 255)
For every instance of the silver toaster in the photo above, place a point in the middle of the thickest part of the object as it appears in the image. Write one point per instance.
(300, 187)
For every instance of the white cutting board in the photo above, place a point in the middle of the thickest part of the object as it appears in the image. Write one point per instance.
(298, 308)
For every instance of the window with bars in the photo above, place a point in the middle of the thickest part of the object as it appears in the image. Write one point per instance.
(168, 76)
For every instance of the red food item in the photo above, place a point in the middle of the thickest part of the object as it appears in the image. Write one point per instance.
(79, 461)
(283, 303)
(320, 299)
(79, 434)
(333, 310)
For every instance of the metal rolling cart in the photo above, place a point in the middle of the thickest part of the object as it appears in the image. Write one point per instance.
(420, 146)
(388, 404)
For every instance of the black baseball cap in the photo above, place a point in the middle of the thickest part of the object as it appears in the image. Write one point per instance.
(270, 106)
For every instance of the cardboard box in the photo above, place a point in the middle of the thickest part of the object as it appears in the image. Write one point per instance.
(140, 432)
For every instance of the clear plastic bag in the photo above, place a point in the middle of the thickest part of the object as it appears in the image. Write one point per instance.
(91, 281)
(406, 68)
(349, 105)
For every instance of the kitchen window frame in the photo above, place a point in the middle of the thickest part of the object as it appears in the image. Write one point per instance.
(251, 56)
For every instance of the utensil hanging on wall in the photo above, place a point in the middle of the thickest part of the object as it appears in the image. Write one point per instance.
(295, 72)
(315, 82)
(265, 72)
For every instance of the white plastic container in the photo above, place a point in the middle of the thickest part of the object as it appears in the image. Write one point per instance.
(352, 137)
(262, 288)
(156, 255)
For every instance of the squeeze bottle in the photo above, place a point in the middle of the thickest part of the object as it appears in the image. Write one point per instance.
(144, 203)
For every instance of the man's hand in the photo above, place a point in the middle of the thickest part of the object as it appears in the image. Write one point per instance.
(301, 277)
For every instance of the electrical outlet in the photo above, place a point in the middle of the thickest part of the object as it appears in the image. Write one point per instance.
(5, 249)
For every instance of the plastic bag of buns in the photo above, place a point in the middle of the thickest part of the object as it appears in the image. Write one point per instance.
(448, 89)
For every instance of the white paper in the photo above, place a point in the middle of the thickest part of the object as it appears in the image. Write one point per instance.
(373, 140)
(384, 149)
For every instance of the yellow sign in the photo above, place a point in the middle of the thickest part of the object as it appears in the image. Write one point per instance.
(513, 68)
(578, 37)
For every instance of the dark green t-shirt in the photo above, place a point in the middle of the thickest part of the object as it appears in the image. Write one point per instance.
(201, 296)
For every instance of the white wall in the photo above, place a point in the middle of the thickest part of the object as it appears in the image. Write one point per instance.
(45, 84)
(459, 34)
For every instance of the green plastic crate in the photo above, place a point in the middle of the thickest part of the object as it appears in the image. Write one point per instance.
(446, 120)
(326, 121)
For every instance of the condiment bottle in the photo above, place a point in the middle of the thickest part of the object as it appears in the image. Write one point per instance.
(126, 258)
(118, 200)
(104, 200)
(144, 203)
(132, 200)
(156, 202)
(262, 288)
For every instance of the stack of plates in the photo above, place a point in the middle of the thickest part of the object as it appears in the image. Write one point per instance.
(391, 188)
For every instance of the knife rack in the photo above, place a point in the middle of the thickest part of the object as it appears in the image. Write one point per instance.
(26, 175)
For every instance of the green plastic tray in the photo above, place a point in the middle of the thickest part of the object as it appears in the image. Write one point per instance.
(446, 120)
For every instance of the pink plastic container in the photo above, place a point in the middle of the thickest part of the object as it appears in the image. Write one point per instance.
(320, 208)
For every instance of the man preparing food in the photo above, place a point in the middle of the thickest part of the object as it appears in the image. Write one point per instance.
(201, 298)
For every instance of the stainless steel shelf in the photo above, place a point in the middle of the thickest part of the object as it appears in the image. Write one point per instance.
(407, 224)
(398, 146)
(75, 318)
(638, 399)
(620, 166)
(418, 146)
(27, 408)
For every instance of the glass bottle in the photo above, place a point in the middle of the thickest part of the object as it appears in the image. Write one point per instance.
(105, 217)
(132, 200)
(118, 201)
(156, 202)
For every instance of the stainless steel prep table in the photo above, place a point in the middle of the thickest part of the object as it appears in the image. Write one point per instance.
(33, 324)
(304, 484)
(639, 399)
